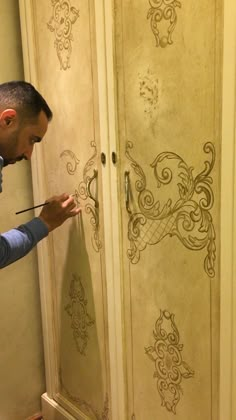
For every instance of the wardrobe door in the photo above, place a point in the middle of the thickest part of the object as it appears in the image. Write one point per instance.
(72, 267)
(168, 79)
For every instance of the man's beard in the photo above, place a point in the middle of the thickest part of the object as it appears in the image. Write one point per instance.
(12, 161)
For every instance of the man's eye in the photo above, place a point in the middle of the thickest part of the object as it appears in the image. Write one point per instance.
(34, 140)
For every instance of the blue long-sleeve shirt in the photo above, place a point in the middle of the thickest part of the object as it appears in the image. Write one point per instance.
(16, 243)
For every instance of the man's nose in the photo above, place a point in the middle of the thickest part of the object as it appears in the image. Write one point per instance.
(28, 152)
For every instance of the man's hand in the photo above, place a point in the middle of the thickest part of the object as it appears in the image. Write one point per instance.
(59, 209)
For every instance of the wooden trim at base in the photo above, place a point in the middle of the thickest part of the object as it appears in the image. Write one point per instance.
(37, 416)
(53, 411)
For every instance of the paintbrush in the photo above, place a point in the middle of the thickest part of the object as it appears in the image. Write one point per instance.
(39, 205)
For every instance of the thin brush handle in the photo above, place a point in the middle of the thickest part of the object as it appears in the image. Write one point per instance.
(31, 208)
(39, 205)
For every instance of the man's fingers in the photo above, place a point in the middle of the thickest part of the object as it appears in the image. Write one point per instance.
(68, 201)
(74, 212)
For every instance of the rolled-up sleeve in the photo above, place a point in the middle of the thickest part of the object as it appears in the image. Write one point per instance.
(16, 243)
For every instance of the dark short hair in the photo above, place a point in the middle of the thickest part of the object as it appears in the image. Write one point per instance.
(25, 99)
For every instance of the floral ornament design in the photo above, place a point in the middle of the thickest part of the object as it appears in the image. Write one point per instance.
(186, 215)
(63, 17)
(148, 90)
(162, 14)
(170, 369)
(82, 192)
(77, 310)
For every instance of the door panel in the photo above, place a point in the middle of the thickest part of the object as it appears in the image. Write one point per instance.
(168, 59)
(67, 77)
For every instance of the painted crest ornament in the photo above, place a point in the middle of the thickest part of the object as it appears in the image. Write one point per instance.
(77, 310)
(170, 368)
(63, 17)
(163, 16)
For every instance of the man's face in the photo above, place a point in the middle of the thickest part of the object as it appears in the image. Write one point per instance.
(17, 143)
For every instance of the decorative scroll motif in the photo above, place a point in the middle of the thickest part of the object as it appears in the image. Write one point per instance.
(77, 310)
(148, 88)
(86, 407)
(170, 369)
(186, 215)
(71, 166)
(163, 13)
(82, 192)
(89, 208)
(63, 17)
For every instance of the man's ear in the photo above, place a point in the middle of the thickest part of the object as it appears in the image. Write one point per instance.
(7, 117)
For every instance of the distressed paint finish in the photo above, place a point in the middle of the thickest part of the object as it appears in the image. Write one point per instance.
(70, 154)
(170, 204)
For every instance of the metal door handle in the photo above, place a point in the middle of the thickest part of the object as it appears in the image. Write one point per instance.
(127, 191)
(95, 174)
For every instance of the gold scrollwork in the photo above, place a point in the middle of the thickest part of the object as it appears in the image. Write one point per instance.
(83, 186)
(73, 162)
(82, 193)
(160, 13)
(170, 369)
(187, 216)
(77, 310)
(63, 17)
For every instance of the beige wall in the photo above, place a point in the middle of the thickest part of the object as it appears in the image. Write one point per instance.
(21, 351)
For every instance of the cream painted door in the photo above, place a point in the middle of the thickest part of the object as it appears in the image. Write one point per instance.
(168, 66)
(63, 67)
(136, 280)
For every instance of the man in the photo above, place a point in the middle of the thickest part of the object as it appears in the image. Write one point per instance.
(24, 118)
